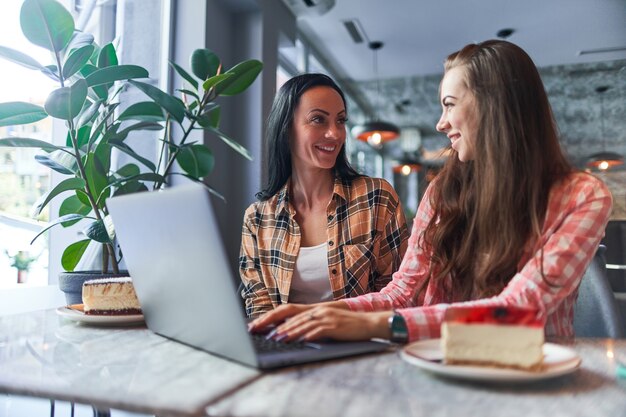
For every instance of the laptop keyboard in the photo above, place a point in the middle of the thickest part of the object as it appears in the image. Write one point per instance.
(263, 345)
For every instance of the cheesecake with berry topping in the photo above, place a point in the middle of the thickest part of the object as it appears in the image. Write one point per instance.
(510, 337)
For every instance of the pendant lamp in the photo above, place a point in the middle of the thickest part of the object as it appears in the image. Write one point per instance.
(604, 160)
(376, 132)
(406, 166)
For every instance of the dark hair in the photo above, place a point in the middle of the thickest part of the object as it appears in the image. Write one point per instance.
(489, 210)
(279, 125)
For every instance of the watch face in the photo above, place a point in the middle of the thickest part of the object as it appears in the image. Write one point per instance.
(399, 332)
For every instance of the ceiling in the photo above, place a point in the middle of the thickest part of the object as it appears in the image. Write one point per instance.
(419, 34)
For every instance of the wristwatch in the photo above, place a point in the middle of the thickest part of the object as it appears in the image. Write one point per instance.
(397, 326)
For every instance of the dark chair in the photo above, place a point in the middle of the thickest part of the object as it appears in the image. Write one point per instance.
(596, 313)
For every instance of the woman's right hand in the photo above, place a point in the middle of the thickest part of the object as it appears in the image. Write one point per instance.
(277, 316)
(286, 311)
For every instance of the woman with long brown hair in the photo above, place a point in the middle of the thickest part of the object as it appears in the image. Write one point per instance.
(508, 221)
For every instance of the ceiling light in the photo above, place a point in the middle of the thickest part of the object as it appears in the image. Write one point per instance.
(376, 132)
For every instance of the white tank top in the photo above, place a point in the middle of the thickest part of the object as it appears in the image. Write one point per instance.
(310, 282)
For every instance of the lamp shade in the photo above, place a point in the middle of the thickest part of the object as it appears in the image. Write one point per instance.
(376, 133)
(604, 160)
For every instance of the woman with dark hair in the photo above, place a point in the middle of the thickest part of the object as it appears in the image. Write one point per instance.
(320, 231)
(508, 221)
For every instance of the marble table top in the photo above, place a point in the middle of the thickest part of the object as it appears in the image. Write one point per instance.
(134, 369)
(131, 368)
(385, 385)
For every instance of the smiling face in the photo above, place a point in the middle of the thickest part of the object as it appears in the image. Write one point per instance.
(459, 117)
(319, 129)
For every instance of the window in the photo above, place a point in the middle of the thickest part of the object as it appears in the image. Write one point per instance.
(22, 179)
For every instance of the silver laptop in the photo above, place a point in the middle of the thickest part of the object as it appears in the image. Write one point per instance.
(174, 253)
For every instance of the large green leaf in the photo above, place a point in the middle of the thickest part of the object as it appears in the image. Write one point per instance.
(97, 231)
(20, 58)
(96, 131)
(46, 23)
(171, 105)
(244, 74)
(65, 185)
(215, 80)
(72, 254)
(89, 114)
(196, 160)
(76, 60)
(80, 39)
(52, 164)
(101, 91)
(64, 159)
(131, 187)
(145, 110)
(72, 205)
(234, 145)
(82, 136)
(83, 197)
(128, 170)
(185, 75)
(145, 176)
(20, 113)
(107, 57)
(189, 93)
(138, 126)
(97, 169)
(204, 63)
(134, 183)
(58, 220)
(210, 118)
(128, 151)
(30, 143)
(66, 103)
(116, 73)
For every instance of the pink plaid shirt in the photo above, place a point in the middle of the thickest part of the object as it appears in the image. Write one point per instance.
(578, 210)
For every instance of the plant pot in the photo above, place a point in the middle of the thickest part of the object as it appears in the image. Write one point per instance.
(71, 283)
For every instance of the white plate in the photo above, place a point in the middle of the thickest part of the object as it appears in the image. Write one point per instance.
(427, 354)
(75, 313)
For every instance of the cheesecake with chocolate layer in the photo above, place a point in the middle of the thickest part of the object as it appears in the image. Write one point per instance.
(509, 337)
(110, 297)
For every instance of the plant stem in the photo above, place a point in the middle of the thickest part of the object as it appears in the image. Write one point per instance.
(172, 156)
(92, 202)
(207, 98)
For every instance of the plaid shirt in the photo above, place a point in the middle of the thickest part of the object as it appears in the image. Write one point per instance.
(577, 213)
(366, 240)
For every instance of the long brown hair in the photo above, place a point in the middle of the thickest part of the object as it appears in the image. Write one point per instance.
(489, 210)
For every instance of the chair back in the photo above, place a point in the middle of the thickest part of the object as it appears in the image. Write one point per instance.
(596, 313)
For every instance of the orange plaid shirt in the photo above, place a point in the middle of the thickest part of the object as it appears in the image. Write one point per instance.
(577, 214)
(366, 239)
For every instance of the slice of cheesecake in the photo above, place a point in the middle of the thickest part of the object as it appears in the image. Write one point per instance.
(510, 337)
(110, 296)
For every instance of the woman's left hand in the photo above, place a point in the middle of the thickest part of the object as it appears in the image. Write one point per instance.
(334, 323)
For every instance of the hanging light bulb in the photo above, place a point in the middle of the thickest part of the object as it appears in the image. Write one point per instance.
(376, 132)
(604, 160)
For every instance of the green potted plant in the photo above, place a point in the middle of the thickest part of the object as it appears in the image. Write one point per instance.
(90, 82)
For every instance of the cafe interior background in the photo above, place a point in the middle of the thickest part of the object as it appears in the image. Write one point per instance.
(578, 45)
